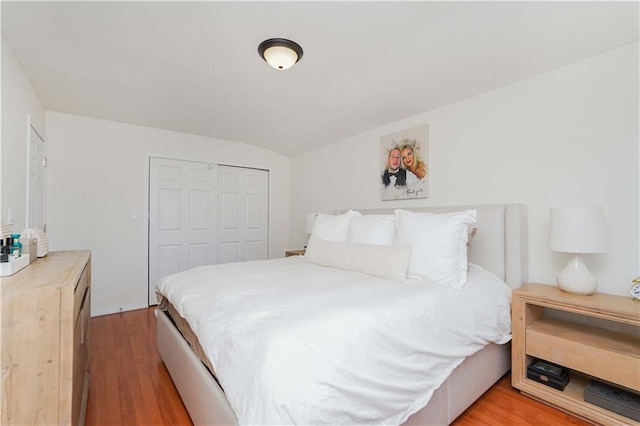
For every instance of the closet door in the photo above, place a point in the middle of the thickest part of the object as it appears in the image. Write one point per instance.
(182, 217)
(243, 197)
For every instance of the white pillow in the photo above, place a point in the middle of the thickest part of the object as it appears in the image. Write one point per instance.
(377, 229)
(388, 262)
(438, 245)
(333, 227)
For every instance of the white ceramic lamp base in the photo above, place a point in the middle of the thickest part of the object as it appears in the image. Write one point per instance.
(576, 278)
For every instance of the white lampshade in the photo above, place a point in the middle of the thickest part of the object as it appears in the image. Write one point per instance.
(310, 221)
(577, 230)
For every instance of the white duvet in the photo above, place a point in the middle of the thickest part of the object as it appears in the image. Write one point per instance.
(296, 343)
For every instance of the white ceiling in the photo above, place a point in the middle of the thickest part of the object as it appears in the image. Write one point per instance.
(193, 67)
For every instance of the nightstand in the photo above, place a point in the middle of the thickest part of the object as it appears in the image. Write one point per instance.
(294, 253)
(587, 351)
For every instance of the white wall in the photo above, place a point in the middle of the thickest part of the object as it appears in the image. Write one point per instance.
(19, 100)
(97, 174)
(564, 138)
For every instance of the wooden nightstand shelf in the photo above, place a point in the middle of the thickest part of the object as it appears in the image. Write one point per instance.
(589, 352)
(294, 253)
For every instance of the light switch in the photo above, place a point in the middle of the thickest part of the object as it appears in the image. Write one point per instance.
(10, 218)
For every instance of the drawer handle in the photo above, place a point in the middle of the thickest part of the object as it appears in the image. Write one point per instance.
(84, 299)
(82, 306)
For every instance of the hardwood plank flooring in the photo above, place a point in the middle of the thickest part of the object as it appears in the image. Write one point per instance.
(129, 384)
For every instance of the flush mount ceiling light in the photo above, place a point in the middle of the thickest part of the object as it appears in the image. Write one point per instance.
(280, 53)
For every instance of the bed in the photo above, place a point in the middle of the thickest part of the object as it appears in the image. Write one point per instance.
(498, 246)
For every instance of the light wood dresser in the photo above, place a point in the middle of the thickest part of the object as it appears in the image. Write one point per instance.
(45, 340)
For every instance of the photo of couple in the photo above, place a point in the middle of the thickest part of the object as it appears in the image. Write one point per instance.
(404, 158)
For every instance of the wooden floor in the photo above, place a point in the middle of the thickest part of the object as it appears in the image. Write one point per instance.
(129, 384)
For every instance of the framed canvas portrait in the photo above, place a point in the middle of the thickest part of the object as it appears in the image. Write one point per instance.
(404, 164)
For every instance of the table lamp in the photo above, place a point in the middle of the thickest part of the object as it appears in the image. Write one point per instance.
(577, 230)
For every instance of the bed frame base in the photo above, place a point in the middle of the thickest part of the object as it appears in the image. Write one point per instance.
(464, 386)
(207, 405)
(200, 392)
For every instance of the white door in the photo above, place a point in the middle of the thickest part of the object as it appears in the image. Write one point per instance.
(36, 181)
(243, 196)
(182, 217)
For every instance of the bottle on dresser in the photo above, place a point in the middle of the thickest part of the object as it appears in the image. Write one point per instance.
(17, 246)
(5, 251)
(10, 248)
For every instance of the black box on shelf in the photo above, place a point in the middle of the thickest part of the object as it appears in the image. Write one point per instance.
(622, 401)
(548, 373)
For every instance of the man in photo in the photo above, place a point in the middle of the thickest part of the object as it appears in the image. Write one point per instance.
(393, 174)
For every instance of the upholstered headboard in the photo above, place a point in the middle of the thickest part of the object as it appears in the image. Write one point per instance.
(500, 244)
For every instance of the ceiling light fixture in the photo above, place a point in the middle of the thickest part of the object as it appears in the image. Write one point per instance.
(280, 53)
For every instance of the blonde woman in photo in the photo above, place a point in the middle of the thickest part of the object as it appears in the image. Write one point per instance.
(411, 161)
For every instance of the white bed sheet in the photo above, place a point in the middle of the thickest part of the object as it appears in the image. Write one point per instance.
(297, 343)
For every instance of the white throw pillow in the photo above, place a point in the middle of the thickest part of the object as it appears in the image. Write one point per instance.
(388, 262)
(438, 245)
(333, 227)
(377, 229)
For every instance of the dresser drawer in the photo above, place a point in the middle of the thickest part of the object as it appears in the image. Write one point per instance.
(79, 294)
(583, 348)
